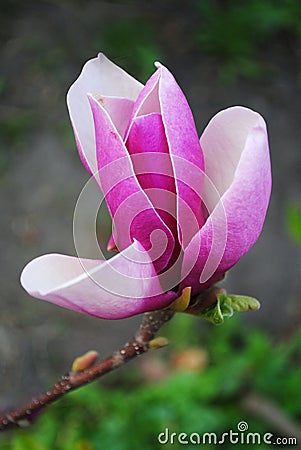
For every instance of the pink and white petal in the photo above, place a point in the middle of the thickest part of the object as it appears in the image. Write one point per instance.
(134, 216)
(99, 76)
(147, 101)
(237, 139)
(223, 142)
(120, 287)
(148, 148)
(185, 153)
(119, 109)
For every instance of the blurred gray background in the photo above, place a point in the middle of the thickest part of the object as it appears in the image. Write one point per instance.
(43, 47)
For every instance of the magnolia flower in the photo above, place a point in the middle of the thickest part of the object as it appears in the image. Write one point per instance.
(184, 210)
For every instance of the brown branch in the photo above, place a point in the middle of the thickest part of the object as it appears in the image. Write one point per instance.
(141, 343)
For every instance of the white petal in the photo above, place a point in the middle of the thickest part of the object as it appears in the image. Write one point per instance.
(125, 285)
(99, 76)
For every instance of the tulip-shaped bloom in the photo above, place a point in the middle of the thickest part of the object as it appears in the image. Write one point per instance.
(183, 210)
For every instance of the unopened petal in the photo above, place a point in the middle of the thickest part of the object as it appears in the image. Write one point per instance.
(147, 101)
(148, 148)
(133, 214)
(185, 153)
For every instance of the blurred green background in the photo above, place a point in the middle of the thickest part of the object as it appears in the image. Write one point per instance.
(208, 382)
(222, 53)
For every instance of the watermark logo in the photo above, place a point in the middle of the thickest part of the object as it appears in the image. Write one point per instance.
(241, 436)
(242, 426)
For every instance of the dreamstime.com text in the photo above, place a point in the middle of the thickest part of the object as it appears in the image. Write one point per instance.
(242, 437)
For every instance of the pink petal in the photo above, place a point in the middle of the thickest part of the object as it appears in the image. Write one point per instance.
(119, 109)
(120, 287)
(133, 215)
(185, 152)
(147, 101)
(237, 162)
(148, 148)
(99, 76)
(161, 94)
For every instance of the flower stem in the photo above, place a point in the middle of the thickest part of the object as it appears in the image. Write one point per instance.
(151, 324)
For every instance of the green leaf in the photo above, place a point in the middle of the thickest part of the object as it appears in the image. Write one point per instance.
(240, 303)
(226, 305)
